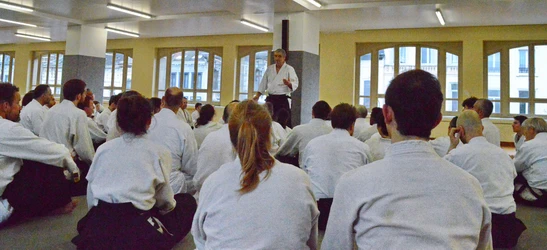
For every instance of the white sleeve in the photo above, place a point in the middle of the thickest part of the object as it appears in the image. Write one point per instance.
(522, 158)
(189, 160)
(293, 78)
(82, 140)
(290, 146)
(165, 198)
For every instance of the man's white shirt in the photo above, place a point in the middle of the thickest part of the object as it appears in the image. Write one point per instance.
(360, 125)
(531, 160)
(272, 81)
(185, 116)
(378, 147)
(299, 137)
(102, 119)
(491, 132)
(32, 116)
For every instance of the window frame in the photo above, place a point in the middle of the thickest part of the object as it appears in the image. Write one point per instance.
(127, 53)
(455, 48)
(504, 47)
(168, 52)
(11, 67)
(36, 71)
(243, 51)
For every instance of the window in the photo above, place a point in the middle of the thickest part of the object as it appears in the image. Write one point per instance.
(379, 63)
(117, 72)
(251, 65)
(7, 60)
(518, 84)
(198, 69)
(47, 68)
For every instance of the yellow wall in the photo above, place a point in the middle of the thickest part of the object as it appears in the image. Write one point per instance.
(337, 53)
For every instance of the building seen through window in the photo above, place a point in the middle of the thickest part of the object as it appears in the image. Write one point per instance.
(7, 61)
(117, 73)
(252, 64)
(47, 68)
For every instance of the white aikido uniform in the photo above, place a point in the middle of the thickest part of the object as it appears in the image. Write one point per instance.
(299, 137)
(278, 136)
(265, 218)
(17, 143)
(131, 169)
(112, 125)
(531, 160)
(518, 142)
(367, 133)
(442, 144)
(97, 134)
(185, 116)
(491, 132)
(327, 157)
(215, 150)
(32, 116)
(272, 81)
(360, 125)
(66, 124)
(492, 167)
(102, 119)
(195, 116)
(169, 131)
(203, 130)
(412, 199)
(378, 147)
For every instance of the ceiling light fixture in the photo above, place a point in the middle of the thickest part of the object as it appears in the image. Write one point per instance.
(14, 6)
(128, 11)
(41, 38)
(440, 16)
(315, 3)
(20, 23)
(254, 25)
(123, 32)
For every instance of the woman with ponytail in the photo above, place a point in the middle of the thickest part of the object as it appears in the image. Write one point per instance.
(255, 202)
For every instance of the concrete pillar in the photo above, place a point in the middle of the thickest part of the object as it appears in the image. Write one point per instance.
(85, 57)
(304, 57)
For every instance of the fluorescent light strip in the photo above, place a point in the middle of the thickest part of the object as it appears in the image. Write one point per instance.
(128, 11)
(254, 25)
(123, 32)
(41, 38)
(20, 23)
(14, 6)
(440, 17)
(315, 3)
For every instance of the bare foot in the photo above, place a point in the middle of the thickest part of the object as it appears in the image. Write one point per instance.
(66, 209)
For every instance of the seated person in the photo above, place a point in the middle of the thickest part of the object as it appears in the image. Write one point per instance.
(205, 123)
(519, 138)
(195, 114)
(102, 118)
(132, 205)
(484, 108)
(411, 199)
(327, 157)
(156, 103)
(379, 142)
(37, 185)
(361, 123)
(441, 144)
(299, 137)
(245, 203)
(372, 129)
(495, 171)
(98, 136)
(33, 114)
(531, 182)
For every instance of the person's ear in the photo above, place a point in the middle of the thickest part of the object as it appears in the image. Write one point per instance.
(461, 130)
(387, 111)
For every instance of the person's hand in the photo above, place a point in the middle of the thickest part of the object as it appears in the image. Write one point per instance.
(287, 83)
(454, 137)
(255, 99)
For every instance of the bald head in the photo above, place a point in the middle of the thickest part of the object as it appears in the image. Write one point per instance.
(470, 121)
(228, 110)
(172, 98)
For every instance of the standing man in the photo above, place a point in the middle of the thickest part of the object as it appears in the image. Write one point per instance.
(279, 80)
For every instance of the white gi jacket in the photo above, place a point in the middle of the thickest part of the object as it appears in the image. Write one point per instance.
(491, 132)
(360, 125)
(131, 169)
(494, 169)
(195, 116)
(367, 133)
(66, 124)
(278, 136)
(299, 137)
(102, 119)
(97, 134)
(112, 125)
(32, 116)
(531, 160)
(378, 147)
(18, 143)
(272, 81)
(185, 116)
(327, 157)
(406, 201)
(169, 131)
(442, 144)
(226, 219)
(202, 131)
(215, 150)
(518, 142)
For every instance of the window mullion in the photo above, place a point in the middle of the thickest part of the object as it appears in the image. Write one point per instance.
(124, 72)
(532, 80)
(374, 78)
(47, 68)
(504, 80)
(441, 75)
(396, 60)
(251, 84)
(112, 72)
(196, 61)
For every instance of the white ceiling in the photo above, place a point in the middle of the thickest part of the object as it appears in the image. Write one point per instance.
(214, 17)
